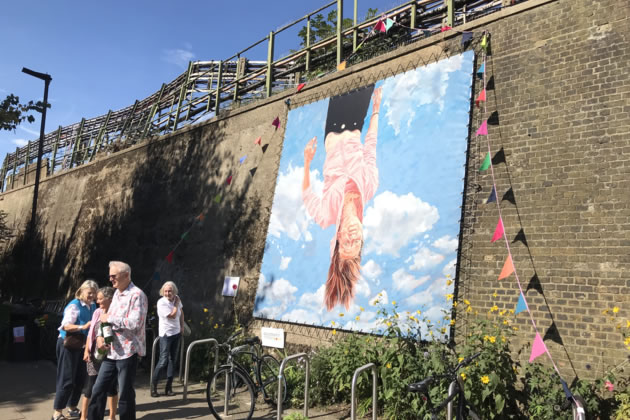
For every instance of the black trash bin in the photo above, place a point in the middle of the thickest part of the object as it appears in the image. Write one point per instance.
(28, 348)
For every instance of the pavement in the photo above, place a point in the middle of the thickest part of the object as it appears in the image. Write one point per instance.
(27, 390)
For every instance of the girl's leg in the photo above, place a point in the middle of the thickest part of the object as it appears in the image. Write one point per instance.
(113, 406)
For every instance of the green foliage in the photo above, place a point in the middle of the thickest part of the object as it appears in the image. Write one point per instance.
(623, 410)
(295, 416)
(13, 113)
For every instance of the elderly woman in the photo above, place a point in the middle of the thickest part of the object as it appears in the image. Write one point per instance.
(93, 358)
(71, 370)
(171, 325)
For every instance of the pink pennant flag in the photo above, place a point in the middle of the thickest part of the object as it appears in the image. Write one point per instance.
(481, 97)
(498, 231)
(229, 180)
(170, 256)
(483, 129)
(380, 26)
(445, 28)
(276, 123)
(538, 348)
(301, 86)
(258, 141)
(508, 268)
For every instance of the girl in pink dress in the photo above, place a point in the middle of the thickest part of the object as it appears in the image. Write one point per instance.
(350, 181)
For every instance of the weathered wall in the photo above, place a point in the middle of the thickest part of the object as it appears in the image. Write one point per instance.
(562, 91)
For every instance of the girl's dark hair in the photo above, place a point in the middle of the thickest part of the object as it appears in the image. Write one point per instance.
(108, 292)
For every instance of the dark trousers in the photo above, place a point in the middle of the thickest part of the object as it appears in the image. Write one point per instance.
(169, 347)
(111, 370)
(71, 373)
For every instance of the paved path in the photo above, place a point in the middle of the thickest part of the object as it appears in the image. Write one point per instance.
(27, 390)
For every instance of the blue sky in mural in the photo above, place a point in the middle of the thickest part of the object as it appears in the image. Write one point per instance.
(410, 225)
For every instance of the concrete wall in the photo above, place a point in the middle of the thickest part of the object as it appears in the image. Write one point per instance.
(562, 92)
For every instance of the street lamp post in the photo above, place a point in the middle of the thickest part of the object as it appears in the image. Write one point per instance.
(40, 149)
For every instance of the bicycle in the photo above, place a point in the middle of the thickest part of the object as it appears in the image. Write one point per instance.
(232, 392)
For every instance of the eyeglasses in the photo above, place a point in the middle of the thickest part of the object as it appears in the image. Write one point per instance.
(113, 276)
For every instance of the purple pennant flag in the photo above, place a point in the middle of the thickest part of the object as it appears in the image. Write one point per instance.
(466, 37)
(520, 306)
(241, 160)
(276, 122)
(493, 196)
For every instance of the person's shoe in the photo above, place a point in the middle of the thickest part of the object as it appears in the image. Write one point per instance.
(154, 392)
(169, 392)
(74, 414)
(59, 417)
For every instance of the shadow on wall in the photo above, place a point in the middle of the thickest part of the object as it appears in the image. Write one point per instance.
(172, 183)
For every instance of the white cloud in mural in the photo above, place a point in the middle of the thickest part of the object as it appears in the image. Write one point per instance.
(301, 315)
(362, 287)
(284, 263)
(410, 90)
(288, 214)
(424, 258)
(446, 244)
(367, 322)
(401, 280)
(381, 298)
(276, 295)
(393, 221)
(372, 271)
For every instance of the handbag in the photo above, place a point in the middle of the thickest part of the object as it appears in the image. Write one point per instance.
(74, 341)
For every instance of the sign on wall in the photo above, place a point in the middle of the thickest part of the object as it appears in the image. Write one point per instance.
(367, 201)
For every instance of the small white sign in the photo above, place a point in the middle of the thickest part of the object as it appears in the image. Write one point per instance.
(18, 334)
(230, 286)
(272, 337)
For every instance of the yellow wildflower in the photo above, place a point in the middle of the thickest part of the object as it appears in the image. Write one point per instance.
(485, 379)
(419, 312)
(448, 276)
(396, 316)
(361, 308)
(469, 309)
(393, 302)
(460, 359)
(605, 312)
(341, 314)
(389, 365)
(463, 375)
(466, 302)
(332, 323)
(494, 308)
(389, 324)
(515, 328)
(618, 326)
(503, 339)
(505, 322)
(216, 326)
(357, 317)
(443, 330)
(334, 332)
(512, 311)
(615, 309)
(455, 304)
(494, 294)
(502, 312)
(449, 296)
(452, 322)
(628, 323)
(449, 282)
(205, 309)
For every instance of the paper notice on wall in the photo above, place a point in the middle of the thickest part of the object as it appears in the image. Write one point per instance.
(18, 334)
(272, 337)
(230, 286)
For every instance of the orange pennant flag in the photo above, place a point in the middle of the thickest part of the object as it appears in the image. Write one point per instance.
(341, 66)
(508, 268)
(201, 217)
(481, 97)
(258, 141)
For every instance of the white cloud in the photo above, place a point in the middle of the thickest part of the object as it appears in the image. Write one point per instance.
(179, 57)
(446, 244)
(362, 287)
(29, 131)
(20, 142)
(313, 300)
(367, 322)
(276, 295)
(372, 271)
(401, 280)
(284, 263)
(288, 214)
(393, 221)
(419, 299)
(425, 258)
(415, 88)
(449, 268)
(381, 298)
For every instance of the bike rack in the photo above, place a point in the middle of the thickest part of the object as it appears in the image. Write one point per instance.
(353, 406)
(306, 381)
(215, 344)
(449, 406)
(181, 358)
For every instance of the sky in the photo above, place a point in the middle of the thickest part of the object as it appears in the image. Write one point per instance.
(105, 55)
(411, 224)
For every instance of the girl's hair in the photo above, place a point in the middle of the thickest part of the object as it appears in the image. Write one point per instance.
(108, 292)
(173, 286)
(343, 274)
(88, 284)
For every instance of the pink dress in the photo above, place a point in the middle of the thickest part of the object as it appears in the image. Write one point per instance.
(349, 160)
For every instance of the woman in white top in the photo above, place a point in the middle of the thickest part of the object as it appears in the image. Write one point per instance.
(171, 325)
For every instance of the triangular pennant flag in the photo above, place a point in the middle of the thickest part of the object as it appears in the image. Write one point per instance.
(483, 129)
(388, 24)
(493, 196)
(481, 97)
(508, 268)
(170, 256)
(258, 141)
(498, 231)
(229, 180)
(380, 26)
(241, 160)
(300, 86)
(184, 235)
(276, 122)
(538, 348)
(484, 42)
(217, 198)
(201, 217)
(341, 66)
(445, 28)
(485, 164)
(481, 71)
(156, 276)
(466, 37)
(426, 32)
(520, 306)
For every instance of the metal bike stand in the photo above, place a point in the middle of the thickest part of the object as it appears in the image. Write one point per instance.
(215, 344)
(155, 342)
(353, 405)
(181, 358)
(306, 381)
(449, 406)
(182, 345)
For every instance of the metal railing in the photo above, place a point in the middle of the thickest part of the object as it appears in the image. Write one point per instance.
(306, 382)
(206, 87)
(215, 344)
(353, 404)
(180, 354)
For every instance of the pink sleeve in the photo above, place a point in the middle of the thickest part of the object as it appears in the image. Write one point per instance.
(319, 210)
(92, 331)
(370, 170)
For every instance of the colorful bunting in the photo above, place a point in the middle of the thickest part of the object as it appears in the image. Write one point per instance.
(445, 28)
(493, 196)
(484, 42)
(508, 268)
(229, 180)
(538, 348)
(156, 276)
(241, 160)
(481, 97)
(498, 231)
(276, 122)
(483, 129)
(520, 306)
(388, 24)
(258, 141)
(485, 164)
(466, 37)
(217, 198)
(341, 66)
(170, 256)
(300, 86)
(380, 26)
(481, 71)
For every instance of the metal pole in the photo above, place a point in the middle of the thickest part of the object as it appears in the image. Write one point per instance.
(306, 380)
(414, 12)
(355, 31)
(353, 403)
(308, 42)
(450, 12)
(339, 28)
(269, 81)
(153, 359)
(449, 406)
(181, 357)
(188, 352)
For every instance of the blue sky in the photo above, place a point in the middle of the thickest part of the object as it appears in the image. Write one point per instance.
(105, 55)
(411, 224)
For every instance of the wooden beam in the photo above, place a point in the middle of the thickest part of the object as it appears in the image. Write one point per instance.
(76, 142)
(269, 78)
(99, 137)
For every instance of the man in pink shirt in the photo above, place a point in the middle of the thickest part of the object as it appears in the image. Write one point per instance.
(127, 315)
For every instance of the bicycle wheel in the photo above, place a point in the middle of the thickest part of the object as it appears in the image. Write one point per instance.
(230, 395)
(268, 369)
(578, 408)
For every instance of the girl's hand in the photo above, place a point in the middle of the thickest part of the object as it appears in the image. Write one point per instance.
(376, 100)
(86, 326)
(309, 150)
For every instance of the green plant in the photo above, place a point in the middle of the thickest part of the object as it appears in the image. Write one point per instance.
(295, 416)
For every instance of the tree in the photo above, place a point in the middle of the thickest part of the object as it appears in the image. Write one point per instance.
(13, 113)
(322, 29)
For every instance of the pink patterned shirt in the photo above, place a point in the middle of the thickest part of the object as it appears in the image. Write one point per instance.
(349, 160)
(127, 314)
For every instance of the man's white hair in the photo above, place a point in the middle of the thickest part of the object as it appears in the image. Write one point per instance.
(121, 266)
